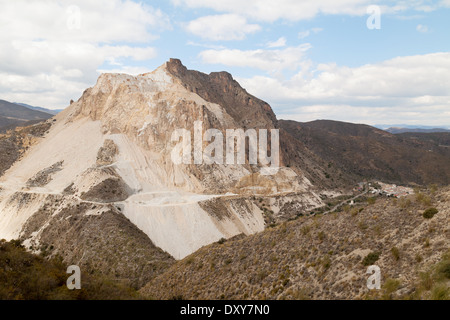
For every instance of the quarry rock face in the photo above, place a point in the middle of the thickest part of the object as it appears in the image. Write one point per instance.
(109, 155)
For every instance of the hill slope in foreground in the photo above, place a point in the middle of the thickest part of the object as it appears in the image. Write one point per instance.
(24, 276)
(326, 257)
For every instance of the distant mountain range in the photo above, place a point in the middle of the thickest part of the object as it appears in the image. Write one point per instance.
(13, 115)
(53, 112)
(367, 152)
(403, 128)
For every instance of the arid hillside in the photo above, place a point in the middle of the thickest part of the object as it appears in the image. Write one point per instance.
(362, 151)
(24, 276)
(15, 142)
(13, 115)
(326, 256)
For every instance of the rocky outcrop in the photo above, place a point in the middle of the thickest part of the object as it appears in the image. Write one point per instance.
(114, 146)
(220, 88)
(44, 176)
(107, 154)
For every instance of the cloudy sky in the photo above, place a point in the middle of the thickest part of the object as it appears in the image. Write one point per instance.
(365, 61)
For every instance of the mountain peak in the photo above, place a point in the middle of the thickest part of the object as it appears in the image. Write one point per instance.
(177, 68)
(222, 89)
(173, 62)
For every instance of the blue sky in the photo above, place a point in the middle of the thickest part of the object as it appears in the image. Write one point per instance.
(344, 40)
(308, 59)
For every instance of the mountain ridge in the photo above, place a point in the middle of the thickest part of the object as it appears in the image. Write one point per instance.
(45, 110)
(370, 153)
(13, 115)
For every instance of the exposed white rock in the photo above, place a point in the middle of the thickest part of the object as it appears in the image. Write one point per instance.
(139, 114)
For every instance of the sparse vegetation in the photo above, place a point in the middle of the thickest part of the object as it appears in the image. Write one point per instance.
(321, 235)
(24, 276)
(418, 258)
(389, 287)
(433, 283)
(440, 292)
(433, 188)
(423, 199)
(404, 203)
(320, 249)
(395, 253)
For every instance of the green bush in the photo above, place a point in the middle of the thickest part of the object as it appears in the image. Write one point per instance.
(396, 253)
(321, 235)
(371, 258)
(443, 268)
(440, 292)
(429, 213)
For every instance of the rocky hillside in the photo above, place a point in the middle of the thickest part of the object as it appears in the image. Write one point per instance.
(361, 151)
(247, 112)
(220, 88)
(15, 142)
(433, 139)
(326, 257)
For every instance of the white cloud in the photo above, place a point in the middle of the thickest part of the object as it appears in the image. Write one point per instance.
(103, 21)
(371, 115)
(205, 45)
(272, 61)
(281, 42)
(410, 77)
(269, 10)
(127, 70)
(40, 89)
(421, 28)
(296, 10)
(409, 17)
(307, 33)
(55, 48)
(304, 34)
(405, 88)
(222, 27)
